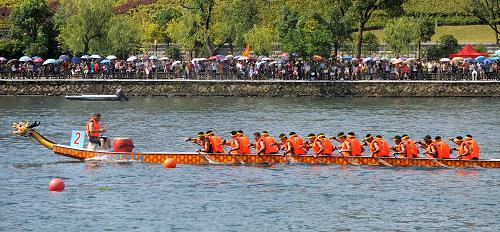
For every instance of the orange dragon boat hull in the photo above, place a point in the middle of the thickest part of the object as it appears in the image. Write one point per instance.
(226, 159)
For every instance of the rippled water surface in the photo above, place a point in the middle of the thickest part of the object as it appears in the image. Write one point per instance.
(146, 197)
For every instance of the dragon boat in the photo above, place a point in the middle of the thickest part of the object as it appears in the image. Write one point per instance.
(194, 158)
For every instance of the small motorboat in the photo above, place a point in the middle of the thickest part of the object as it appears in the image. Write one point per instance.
(119, 96)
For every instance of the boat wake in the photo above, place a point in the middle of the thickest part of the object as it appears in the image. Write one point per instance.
(108, 159)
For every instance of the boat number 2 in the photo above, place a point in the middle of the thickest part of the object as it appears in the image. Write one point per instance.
(77, 139)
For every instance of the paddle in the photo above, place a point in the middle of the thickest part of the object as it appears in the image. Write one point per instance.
(345, 158)
(235, 158)
(205, 157)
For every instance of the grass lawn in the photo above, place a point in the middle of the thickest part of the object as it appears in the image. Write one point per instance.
(464, 34)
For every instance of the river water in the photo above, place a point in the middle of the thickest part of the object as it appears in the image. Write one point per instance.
(146, 197)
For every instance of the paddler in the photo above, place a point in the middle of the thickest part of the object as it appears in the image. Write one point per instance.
(321, 145)
(285, 145)
(274, 147)
(244, 142)
(443, 148)
(401, 149)
(94, 132)
(413, 145)
(378, 146)
(215, 141)
(464, 149)
(474, 147)
(198, 140)
(263, 146)
(350, 146)
(238, 145)
(431, 148)
(298, 145)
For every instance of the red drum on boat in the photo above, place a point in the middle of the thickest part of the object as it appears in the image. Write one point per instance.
(123, 145)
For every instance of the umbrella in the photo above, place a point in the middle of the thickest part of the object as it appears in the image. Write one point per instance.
(354, 59)
(468, 59)
(480, 59)
(25, 59)
(213, 58)
(2, 59)
(243, 58)
(38, 60)
(111, 57)
(86, 57)
(229, 57)
(35, 57)
(63, 57)
(164, 58)
(266, 59)
(176, 63)
(496, 58)
(50, 61)
(458, 58)
(347, 57)
(76, 60)
(487, 61)
(11, 61)
(367, 59)
(385, 58)
(396, 61)
(411, 60)
(153, 58)
(285, 54)
(131, 59)
(105, 61)
(497, 52)
(444, 60)
(95, 57)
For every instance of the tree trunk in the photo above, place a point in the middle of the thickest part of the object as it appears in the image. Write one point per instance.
(231, 48)
(419, 46)
(208, 43)
(85, 47)
(359, 39)
(335, 50)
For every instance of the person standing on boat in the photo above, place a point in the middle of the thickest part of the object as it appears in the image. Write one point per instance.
(94, 132)
(474, 147)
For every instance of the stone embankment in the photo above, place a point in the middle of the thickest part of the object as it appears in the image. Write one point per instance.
(253, 88)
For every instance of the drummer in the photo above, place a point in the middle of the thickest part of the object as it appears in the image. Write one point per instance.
(94, 131)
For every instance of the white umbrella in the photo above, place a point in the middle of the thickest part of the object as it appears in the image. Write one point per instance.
(444, 60)
(411, 60)
(176, 63)
(85, 57)
(367, 59)
(131, 59)
(111, 57)
(266, 59)
(164, 58)
(396, 61)
(95, 57)
(229, 57)
(153, 58)
(25, 59)
(243, 58)
(497, 52)
(50, 61)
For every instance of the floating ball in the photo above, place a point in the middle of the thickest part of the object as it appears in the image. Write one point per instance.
(56, 185)
(169, 163)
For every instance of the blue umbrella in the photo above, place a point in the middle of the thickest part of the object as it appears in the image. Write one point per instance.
(50, 61)
(63, 57)
(105, 61)
(347, 57)
(468, 59)
(76, 60)
(487, 61)
(497, 52)
(496, 58)
(25, 59)
(480, 59)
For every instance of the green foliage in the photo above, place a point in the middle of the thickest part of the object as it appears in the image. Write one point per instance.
(426, 29)
(480, 48)
(488, 12)
(233, 19)
(433, 52)
(262, 39)
(370, 43)
(448, 45)
(336, 20)
(86, 25)
(184, 31)
(11, 48)
(123, 36)
(32, 27)
(400, 34)
(173, 52)
(162, 19)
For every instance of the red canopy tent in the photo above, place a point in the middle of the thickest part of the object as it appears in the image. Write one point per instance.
(468, 51)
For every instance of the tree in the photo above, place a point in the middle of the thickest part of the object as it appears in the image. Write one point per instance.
(337, 21)
(290, 35)
(32, 28)
(488, 11)
(426, 29)
(448, 45)
(184, 31)
(362, 11)
(400, 34)
(370, 43)
(262, 39)
(123, 36)
(162, 19)
(86, 25)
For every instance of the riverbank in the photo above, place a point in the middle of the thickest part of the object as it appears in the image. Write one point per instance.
(270, 88)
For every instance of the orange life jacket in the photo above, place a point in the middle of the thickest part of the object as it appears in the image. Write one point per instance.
(443, 149)
(461, 151)
(414, 148)
(270, 147)
(327, 146)
(428, 150)
(297, 145)
(216, 142)
(244, 143)
(382, 146)
(96, 128)
(474, 148)
(407, 147)
(355, 147)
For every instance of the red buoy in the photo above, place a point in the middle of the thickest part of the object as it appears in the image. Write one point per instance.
(169, 163)
(56, 185)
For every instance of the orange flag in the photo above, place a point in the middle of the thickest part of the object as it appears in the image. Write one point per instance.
(247, 51)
